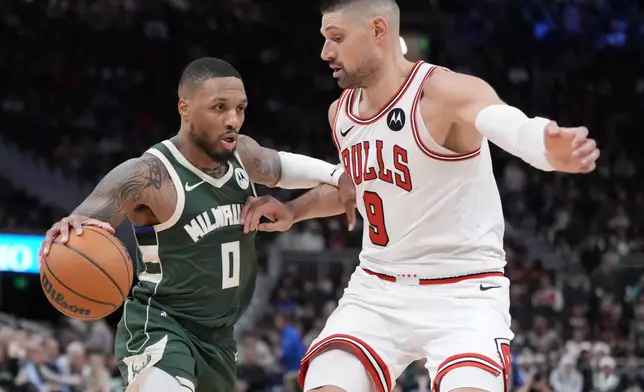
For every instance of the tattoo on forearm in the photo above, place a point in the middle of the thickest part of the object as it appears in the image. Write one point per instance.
(264, 165)
(269, 167)
(119, 192)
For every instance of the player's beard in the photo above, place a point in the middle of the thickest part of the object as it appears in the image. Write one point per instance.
(217, 155)
(362, 77)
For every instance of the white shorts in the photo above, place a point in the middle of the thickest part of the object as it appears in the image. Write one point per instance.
(461, 325)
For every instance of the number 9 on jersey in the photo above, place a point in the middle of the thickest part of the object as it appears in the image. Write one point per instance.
(376, 217)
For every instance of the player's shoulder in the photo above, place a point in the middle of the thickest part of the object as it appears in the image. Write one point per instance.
(148, 166)
(333, 108)
(453, 87)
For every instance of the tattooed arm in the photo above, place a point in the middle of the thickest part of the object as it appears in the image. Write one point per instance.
(263, 164)
(283, 169)
(123, 189)
(133, 183)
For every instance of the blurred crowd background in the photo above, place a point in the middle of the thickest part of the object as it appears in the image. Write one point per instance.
(85, 85)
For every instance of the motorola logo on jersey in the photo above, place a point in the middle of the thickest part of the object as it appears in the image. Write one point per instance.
(242, 178)
(396, 119)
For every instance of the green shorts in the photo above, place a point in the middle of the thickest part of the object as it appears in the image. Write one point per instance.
(147, 337)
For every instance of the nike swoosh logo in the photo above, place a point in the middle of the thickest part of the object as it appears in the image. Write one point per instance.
(345, 133)
(191, 187)
(486, 288)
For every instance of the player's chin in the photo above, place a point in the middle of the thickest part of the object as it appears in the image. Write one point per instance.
(343, 83)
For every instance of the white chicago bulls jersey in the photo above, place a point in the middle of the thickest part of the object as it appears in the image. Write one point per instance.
(427, 211)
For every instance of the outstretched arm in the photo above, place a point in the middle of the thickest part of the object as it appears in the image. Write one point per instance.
(322, 201)
(472, 103)
(283, 169)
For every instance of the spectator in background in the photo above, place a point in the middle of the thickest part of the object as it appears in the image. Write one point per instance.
(33, 375)
(605, 379)
(251, 377)
(541, 336)
(548, 297)
(8, 368)
(631, 380)
(291, 351)
(96, 377)
(71, 364)
(584, 366)
(99, 336)
(566, 378)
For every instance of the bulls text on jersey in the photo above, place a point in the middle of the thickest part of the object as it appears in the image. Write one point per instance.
(356, 163)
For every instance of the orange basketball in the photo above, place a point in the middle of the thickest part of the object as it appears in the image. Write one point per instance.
(89, 277)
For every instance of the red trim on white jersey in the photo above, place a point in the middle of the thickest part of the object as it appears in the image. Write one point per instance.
(372, 362)
(466, 360)
(434, 281)
(387, 106)
(335, 120)
(419, 141)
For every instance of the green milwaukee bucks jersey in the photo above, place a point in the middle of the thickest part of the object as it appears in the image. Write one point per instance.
(199, 266)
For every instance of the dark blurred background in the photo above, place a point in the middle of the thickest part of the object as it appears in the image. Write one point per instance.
(85, 85)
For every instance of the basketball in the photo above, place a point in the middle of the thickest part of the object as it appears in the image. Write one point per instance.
(89, 277)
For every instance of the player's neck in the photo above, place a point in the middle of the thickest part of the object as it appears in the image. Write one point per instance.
(392, 74)
(193, 153)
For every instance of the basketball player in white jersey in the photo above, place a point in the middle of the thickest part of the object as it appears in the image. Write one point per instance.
(415, 139)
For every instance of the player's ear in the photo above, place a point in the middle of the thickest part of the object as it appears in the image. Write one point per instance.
(183, 107)
(379, 28)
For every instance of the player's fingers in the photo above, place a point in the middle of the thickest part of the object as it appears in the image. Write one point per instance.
(250, 206)
(273, 226)
(553, 129)
(247, 206)
(64, 230)
(49, 238)
(581, 134)
(588, 163)
(97, 223)
(350, 209)
(584, 148)
(77, 225)
(588, 168)
(256, 215)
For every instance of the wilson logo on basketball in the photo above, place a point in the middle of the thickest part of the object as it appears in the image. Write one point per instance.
(60, 299)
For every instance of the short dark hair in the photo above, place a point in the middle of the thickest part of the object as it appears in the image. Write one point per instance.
(335, 5)
(206, 68)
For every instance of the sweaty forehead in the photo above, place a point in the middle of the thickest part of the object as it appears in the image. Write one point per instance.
(227, 89)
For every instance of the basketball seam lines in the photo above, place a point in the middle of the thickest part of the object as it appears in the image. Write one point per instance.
(73, 291)
(126, 258)
(95, 265)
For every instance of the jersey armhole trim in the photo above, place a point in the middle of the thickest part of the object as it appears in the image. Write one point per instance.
(336, 118)
(239, 160)
(181, 197)
(454, 157)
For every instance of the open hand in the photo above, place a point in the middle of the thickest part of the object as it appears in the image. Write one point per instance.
(75, 222)
(278, 213)
(570, 150)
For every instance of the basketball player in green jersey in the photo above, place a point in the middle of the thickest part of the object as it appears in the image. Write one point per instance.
(196, 265)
